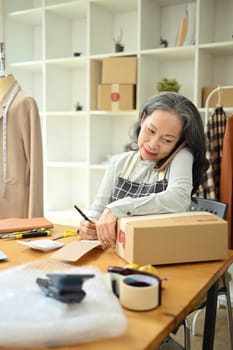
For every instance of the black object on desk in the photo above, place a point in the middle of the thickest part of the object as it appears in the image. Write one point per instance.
(41, 232)
(64, 287)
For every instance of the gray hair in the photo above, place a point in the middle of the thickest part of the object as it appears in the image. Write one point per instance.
(192, 133)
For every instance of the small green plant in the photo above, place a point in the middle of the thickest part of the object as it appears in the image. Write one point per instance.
(78, 106)
(163, 42)
(119, 46)
(168, 85)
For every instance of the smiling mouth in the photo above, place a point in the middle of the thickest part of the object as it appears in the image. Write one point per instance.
(150, 153)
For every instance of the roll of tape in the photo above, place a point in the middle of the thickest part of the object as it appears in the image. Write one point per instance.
(140, 292)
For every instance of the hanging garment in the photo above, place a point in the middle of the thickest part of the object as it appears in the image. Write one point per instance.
(226, 178)
(215, 130)
(21, 163)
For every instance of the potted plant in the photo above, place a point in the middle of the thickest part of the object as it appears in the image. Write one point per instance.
(163, 42)
(78, 106)
(119, 46)
(168, 85)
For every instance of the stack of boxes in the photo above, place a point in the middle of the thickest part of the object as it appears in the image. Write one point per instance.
(118, 84)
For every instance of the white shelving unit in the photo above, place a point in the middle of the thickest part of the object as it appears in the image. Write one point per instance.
(41, 38)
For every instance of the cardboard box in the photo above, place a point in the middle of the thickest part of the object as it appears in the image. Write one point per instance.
(116, 97)
(172, 238)
(225, 97)
(121, 70)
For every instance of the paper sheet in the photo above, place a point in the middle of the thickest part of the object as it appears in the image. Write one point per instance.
(75, 250)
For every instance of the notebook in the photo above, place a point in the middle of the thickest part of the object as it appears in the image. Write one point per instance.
(22, 224)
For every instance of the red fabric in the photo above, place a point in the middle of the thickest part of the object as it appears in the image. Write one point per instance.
(226, 186)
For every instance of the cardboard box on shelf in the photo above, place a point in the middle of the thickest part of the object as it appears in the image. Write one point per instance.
(121, 70)
(224, 96)
(172, 238)
(116, 97)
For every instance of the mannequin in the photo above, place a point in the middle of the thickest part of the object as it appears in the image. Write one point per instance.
(21, 163)
(6, 82)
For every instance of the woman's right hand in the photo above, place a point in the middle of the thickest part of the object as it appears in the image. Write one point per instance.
(87, 230)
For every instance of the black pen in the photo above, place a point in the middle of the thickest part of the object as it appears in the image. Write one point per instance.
(82, 213)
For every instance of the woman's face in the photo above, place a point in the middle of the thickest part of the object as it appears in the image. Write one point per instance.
(158, 135)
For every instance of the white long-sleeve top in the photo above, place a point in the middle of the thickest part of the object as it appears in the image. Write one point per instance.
(176, 197)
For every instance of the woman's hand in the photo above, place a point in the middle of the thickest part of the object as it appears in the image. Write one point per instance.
(106, 228)
(87, 230)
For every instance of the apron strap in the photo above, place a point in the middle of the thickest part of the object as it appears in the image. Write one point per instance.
(161, 175)
(160, 170)
(131, 165)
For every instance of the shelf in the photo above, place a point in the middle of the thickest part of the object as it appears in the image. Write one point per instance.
(42, 37)
(31, 66)
(101, 167)
(131, 113)
(171, 53)
(77, 114)
(218, 49)
(52, 164)
(70, 10)
(70, 138)
(120, 6)
(31, 17)
(70, 187)
(11, 6)
(100, 57)
(117, 18)
(68, 62)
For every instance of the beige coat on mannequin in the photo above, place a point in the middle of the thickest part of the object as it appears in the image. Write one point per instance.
(23, 194)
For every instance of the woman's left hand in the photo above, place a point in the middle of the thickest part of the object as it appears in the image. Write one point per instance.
(106, 228)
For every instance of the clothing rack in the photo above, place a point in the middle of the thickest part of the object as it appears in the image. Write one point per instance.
(218, 90)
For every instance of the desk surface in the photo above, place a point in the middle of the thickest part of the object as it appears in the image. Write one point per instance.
(185, 287)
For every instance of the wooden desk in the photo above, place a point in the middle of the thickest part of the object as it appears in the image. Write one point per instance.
(187, 284)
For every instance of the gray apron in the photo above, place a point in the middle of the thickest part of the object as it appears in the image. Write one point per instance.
(127, 188)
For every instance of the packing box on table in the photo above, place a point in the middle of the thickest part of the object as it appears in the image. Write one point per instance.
(116, 97)
(172, 238)
(121, 70)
